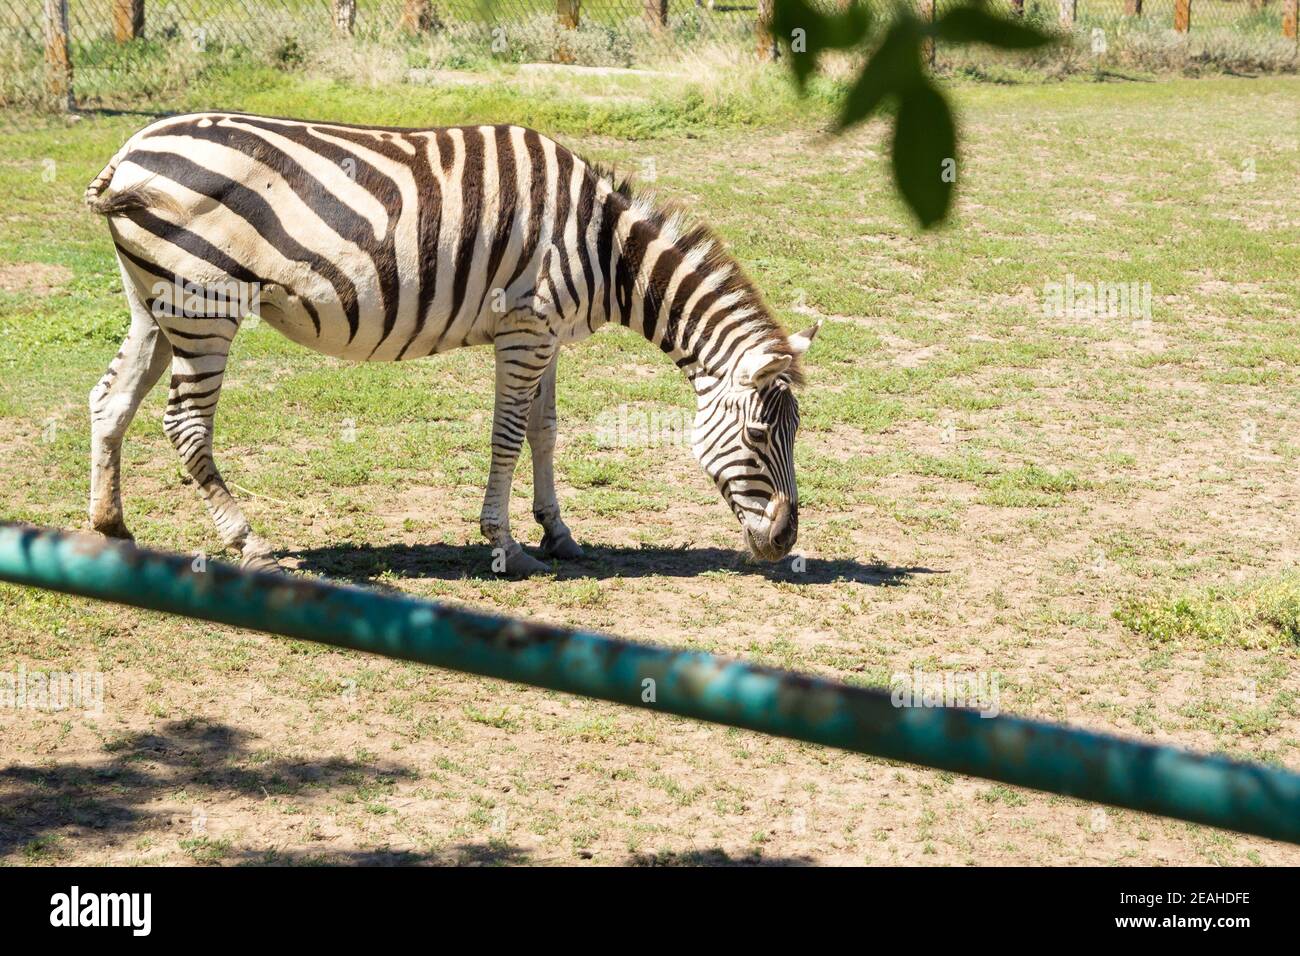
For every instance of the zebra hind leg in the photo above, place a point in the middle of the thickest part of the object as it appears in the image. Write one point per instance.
(188, 422)
(557, 540)
(113, 404)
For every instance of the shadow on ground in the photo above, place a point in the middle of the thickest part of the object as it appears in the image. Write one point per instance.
(715, 857)
(49, 813)
(46, 809)
(365, 562)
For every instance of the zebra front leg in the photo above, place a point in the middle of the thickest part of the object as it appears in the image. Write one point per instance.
(557, 541)
(522, 356)
(113, 403)
(188, 422)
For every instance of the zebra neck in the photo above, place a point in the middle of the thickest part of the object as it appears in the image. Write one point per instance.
(703, 329)
(692, 349)
(705, 339)
(680, 290)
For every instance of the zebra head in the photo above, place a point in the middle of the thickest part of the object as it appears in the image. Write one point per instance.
(744, 438)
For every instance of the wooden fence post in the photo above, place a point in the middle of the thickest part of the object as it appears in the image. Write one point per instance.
(1183, 15)
(656, 14)
(1291, 20)
(926, 9)
(128, 20)
(417, 16)
(567, 13)
(345, 16)
(58, 60)
(1068, 9)
(1132, 8)
(767, 48)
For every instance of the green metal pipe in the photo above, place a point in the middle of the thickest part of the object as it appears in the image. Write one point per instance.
(1203, 789)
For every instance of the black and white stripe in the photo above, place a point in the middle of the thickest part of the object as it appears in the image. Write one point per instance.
(379, 244)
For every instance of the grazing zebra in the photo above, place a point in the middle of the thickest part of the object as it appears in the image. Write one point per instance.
(380, 244)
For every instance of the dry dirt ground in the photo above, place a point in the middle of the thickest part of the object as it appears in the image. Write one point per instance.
(984, 487)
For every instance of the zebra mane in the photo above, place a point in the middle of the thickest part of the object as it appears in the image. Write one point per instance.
(704, 249)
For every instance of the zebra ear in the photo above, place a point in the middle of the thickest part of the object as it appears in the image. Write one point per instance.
(759, 367)
(800, 341)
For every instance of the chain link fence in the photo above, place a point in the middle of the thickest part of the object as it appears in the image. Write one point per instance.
(57, 53)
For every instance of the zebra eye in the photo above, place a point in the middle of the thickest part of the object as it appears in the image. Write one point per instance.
(757, 433)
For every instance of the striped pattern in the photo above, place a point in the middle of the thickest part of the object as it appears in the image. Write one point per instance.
(382, 244)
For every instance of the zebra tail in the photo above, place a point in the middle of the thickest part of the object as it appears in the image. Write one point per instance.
(100, 182)
(128, 201)
(124, 201)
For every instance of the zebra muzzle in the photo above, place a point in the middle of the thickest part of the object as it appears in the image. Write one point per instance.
(771, 538)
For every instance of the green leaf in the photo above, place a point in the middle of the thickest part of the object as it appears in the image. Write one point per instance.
(972, 25)
(924, 138)
(895, 66)
(806, 33)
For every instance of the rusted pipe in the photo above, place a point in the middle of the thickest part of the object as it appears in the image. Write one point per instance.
(1249, 798)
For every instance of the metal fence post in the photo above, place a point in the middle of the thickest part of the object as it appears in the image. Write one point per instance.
(58, 58)
(128, 20)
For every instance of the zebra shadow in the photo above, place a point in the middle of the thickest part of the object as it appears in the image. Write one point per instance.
(450, 562)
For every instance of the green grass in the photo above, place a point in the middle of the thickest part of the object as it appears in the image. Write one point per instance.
(1263, 613)
(982, 487)
(206, 850)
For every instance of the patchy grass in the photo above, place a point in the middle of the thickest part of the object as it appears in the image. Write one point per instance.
(1264, 614)
(982, 485)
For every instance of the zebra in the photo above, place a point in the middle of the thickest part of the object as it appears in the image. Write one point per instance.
(376, 243)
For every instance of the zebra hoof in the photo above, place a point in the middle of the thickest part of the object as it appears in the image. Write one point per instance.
(521, 564)
(562, 547)
(256, 556)
(116, 529)
(260, 562)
